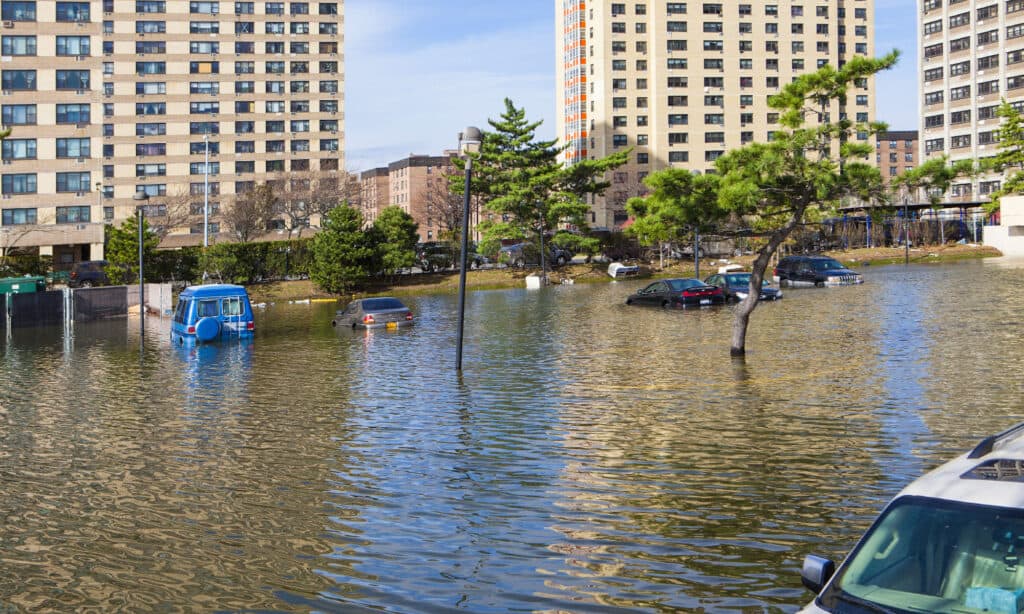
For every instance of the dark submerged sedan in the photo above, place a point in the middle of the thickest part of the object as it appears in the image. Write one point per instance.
(736, 287)
(380, 312)
(677, 293)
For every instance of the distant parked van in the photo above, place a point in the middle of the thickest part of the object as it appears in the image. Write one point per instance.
(211, 312)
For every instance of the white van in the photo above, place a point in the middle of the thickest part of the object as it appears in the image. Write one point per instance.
(952, 541)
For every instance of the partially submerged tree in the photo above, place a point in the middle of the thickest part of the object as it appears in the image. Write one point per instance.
(395, 234)
(521, 181)
(122, 250)
(813, 162)
(342, 253)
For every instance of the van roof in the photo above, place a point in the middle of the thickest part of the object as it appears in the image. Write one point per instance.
(990, 474)
(213, 290)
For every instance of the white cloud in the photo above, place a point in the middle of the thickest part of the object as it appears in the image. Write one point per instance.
(409, 96)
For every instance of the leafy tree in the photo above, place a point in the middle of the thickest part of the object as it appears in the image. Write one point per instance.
(123, 250)
(395, 236)
(680, 201)
(1010, 156)
(443, 204)
(250, 212)
(342, 255)
(526, 187)
(813, 162)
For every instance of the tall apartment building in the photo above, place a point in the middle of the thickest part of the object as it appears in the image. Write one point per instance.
(684, 82)
(896, 152)
(972, 55)
(106, 98)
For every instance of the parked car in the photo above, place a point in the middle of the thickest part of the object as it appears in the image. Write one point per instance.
(948, 542)
(527, 254)
(685, 292)
(440, 256)
(736, 287)
(380, 312)
(88, 273)
(814, 271)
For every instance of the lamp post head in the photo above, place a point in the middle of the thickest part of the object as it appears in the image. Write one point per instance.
(469, 140)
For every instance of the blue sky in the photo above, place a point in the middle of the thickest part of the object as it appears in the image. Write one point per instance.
(418, 71)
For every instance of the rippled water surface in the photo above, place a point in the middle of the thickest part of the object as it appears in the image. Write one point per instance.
(594, 456)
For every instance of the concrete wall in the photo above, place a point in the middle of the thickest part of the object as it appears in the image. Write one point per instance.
(1008, 236)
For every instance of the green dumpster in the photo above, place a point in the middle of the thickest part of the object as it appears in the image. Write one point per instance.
(22, 285)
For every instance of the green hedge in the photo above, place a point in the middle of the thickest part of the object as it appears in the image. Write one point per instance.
(242, 263)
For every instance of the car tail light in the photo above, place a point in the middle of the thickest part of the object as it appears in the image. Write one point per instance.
(716, 291)
(250, 325)
(74, 275)
(191, 330)
(408, 315)
(775, 271)
(368, 319)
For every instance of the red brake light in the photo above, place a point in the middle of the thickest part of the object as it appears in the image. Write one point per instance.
(250, 325)
(191, 330)
(408, 315)
(716, 291)
(368, 319)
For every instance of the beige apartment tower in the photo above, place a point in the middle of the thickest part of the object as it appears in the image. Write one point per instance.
(972, 56)
(190, 102)
(684, 82)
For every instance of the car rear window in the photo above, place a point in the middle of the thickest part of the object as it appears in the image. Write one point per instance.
(682, 284)
(372, 304)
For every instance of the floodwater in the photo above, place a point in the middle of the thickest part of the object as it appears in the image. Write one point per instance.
(594, 457)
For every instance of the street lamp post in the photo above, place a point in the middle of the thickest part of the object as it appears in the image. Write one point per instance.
(206, 192)
(141, 198)
(906, 231)
(469, 143)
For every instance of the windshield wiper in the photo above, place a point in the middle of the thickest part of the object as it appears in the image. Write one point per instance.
(871, 606)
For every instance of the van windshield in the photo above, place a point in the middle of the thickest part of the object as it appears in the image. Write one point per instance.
(930, 555)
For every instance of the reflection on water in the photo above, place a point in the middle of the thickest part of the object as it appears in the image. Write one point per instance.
(592, 457)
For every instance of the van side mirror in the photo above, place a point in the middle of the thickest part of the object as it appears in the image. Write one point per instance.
(816, 572)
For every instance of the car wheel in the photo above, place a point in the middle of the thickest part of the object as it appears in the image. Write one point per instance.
(474, 265)
(819, 284)
(629, 301)
(520, 263)
(561, 261)
(85, 284)
(664, 304)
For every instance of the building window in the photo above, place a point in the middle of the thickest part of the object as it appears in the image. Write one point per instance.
(24, 45)
(18, 80)
(23, 114)
(73, 182)
(19, 11)
(73, 215)
(678, 156)
(150, 149)
(19, 149)
(18, 217)
(73, 148)
(72, 11)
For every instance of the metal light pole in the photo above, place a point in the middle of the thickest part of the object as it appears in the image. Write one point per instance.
(906, 231)
(206, 192)
(469, 143)
(141, 199)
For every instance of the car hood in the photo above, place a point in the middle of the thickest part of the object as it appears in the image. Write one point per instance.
(838, 272)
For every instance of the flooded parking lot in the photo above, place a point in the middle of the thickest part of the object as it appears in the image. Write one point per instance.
(592, 457)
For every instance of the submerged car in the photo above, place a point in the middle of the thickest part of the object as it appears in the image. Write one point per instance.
(736, 287)
(210, 312)
(380, 312)
(685, 292)
(814, 271)
(951, 541)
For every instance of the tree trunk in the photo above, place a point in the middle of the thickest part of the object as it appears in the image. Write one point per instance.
(745, 308)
